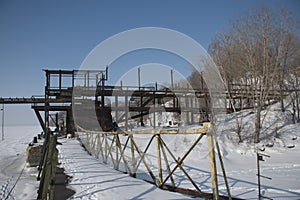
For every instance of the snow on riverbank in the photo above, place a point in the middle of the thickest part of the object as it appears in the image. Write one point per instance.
(280, 139)
(12, 162)
(93, 180)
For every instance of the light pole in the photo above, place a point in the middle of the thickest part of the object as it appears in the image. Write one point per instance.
(2, 109)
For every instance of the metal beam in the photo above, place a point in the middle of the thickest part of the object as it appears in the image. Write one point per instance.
(38, 115)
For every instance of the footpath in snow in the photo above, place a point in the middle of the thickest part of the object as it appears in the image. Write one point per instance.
(93, 180)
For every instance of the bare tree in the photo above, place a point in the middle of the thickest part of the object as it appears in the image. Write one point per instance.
(294, 79)
(224, 51)
(256, 52)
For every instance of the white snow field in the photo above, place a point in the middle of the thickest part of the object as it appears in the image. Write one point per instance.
(93, 180)
(15, 182)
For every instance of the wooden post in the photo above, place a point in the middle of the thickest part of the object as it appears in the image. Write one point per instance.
(213, 168)
(53, 167)
(158, 160)
(142, 158)
(117, 150)
(223, 170)
(101, 141)
(47, 188)
(132, 156)
(87, 145)
(94, 147)
(167, 164)
(97, 146)
(105, 149)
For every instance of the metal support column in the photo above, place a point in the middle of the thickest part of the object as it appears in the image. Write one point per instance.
(2, 121)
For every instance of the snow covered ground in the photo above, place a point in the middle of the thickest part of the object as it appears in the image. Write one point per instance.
(278, 136)
(93, 180)
(280, 139)
(12, 163)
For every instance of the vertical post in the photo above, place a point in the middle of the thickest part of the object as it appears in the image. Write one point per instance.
(141, 97)
(192, 106)
(139, 78)
(132, 156)
(202, 82)
(116, 105)
(105, 149)
(97, 79)
(48, 170)
(46, 108)
(172, 79)
(106, 72)
(188, 110)
(258, 175)
(47, 80)
(117, 150)
(213, 168)
(154, 111)
(126, 112)
(88, 79)
(102, 91)
(259, 157)
(73, 77)
(56, 122)
(54, 160)
(223, 170)
(59, 81)
(2, 122)
(206, 105)
(158, 160)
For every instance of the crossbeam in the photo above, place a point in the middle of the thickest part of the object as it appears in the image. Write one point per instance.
(201, 130)
(32, 100)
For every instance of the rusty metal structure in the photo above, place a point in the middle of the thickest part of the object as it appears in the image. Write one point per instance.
(62, 86)
(64, 89)
(94, 110)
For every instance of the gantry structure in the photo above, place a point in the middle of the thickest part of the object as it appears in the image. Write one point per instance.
(95, 109)
(66, 89)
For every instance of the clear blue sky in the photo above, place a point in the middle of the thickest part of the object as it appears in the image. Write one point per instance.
(36, 35)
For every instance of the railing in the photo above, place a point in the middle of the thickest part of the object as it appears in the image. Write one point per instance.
(122, 151)
(47, 168)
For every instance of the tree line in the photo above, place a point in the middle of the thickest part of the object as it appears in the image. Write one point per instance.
(260, 53)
